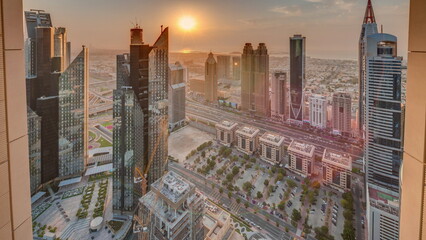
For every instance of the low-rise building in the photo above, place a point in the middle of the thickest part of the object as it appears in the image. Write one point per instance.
(217, 222)
(336, 169)
(172, 210)
(301, 157)
(271, 148)
(225, 132)
(247, 139)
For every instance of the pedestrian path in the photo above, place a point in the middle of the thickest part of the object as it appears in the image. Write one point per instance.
(75, 229)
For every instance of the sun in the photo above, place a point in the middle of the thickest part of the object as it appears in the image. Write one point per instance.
(187, 23)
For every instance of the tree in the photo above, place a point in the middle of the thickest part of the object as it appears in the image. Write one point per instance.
(296, 216)
(291, 183)
(348, 234)
(321, 233)
(238, 200)
(281, 205)
(279, 177)
(247, 186)
(316, 185)
(229, 177)
(203, 154)
(229, 194)
(221, 190)
(259, 195)
(213, 185)
(266, 182)
(246, 204)
(235, 170)
(219, 171)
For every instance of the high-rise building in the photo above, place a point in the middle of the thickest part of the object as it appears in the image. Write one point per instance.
(297, 76)
(15, 206)
(177, 93)
(173, 209)
(123, 70)
(236, 68)
(341, 113)
(223, 67)
(57, 91)
(413, 172)
(255, 80)
(383, 135)
(34, 144)
(318, 111)
(369, 27)
(127, 151)
(279, 95)
(210, 84)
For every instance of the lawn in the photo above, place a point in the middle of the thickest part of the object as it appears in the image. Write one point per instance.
(92, 135)
(104, 142)
(106, 124)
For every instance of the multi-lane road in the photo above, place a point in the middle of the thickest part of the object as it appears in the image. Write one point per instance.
(213, 114)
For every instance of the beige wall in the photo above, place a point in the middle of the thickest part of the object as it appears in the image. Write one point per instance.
(413, 214)
(15, 209)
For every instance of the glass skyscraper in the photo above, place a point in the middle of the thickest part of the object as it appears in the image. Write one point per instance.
(297, 76)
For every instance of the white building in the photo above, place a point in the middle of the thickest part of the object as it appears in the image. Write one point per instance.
(337, 169)
(271, 148)
(318, 111)
(247, 139)
(301, 157)
(225, 132)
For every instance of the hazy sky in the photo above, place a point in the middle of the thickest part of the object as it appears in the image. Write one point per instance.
(332, 27)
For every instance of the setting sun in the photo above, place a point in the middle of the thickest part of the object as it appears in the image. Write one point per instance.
(187, 23)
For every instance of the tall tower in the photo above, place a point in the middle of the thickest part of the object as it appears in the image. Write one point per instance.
(318, 111)
(341, 113)
(279, 95)
(210, 84)
(236, 68)
(15, 205)
(297, 76)
(255, 80)
(413, 173)
(177, 92)
(369, 27)
(383, 135)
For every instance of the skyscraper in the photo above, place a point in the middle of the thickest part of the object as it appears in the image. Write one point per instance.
(413, 179)
(318, 111)
(34, 142)
(210, 84)
(341, 113)
(57, 91)
(255, 80)
(140, 114)
(127, 151)
(369, 27)
(297, 76)
(177, 92)
(279, 95)
(236, 68)
(15, 206)
(383, 135)
(223, 67)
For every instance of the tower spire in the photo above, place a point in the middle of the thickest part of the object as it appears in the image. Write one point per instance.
(369, 14)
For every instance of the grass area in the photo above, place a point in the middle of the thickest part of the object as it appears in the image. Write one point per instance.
(115, 225)
(106, 124)
(92, 135)
(99, 176)
(104, 143)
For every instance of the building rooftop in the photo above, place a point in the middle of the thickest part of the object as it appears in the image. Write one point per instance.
(172, 186)
(302, 148)
(248, 131)
(272, 138)
(228, 125)
(339, 159)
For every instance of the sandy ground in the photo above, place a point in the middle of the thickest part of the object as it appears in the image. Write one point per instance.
(186, 139)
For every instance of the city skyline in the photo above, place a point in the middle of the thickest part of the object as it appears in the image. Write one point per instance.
(258, 22)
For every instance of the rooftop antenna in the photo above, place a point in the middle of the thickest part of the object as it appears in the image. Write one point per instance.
(381, 28)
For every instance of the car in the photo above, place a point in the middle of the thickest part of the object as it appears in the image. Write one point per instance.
(289, 204)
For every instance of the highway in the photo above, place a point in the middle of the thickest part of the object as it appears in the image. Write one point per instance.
(205, 185)
(214, 114)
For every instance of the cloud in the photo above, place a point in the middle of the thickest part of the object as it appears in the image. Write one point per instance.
(288, 11)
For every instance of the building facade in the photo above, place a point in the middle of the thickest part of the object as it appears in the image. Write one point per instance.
(413, 200)
(247, 139)
(236, 68)
(210, 84)
(318, 111)
(225, 132)
(173, 210)
(34, 141)
(271, 148)
(223, 67)
(279, 95)
(383, 135)
(255, 80)
(297, 77)
(301, 158)
(15, 204)
(177, 93)
(127, 152)
(341, 113)
(337, 169)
